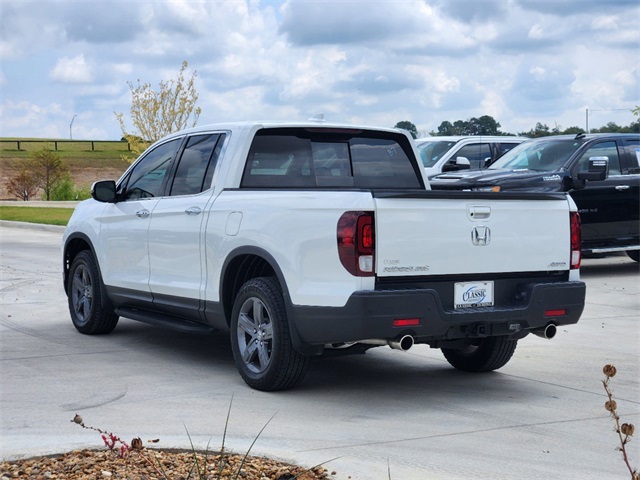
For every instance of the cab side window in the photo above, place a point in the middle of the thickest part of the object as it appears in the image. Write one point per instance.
(602, 149)
(196, 165)
(475, 153)
(632, 164)
(504, 147)
(148, 177)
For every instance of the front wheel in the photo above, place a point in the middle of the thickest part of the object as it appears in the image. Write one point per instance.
(89, 310)
(260, 338)
(634, 255)
(483, 355)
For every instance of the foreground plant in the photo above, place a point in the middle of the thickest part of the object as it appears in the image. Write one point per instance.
(625, 431)
(202, 465)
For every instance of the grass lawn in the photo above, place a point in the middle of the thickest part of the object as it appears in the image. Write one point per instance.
(46, 215)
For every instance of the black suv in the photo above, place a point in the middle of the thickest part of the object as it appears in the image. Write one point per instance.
(609, 207)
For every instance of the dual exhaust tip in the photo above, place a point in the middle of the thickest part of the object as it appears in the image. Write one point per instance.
(405, 342)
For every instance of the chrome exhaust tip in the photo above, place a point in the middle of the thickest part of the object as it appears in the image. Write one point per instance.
(403, 343)
(547, 332)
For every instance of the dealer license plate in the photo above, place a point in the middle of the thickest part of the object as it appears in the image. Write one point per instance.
(473, 294)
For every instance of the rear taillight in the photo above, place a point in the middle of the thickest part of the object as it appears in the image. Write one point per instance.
(356, 243)
(576, 240)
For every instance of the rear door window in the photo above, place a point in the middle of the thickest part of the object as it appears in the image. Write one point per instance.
(196, 165)
(631, 161)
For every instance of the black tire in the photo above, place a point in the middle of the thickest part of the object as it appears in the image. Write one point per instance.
(634, 255)
(260, 338)
(90, 312)
(484, 355)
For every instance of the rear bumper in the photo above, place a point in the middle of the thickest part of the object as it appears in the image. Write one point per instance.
(370, 314)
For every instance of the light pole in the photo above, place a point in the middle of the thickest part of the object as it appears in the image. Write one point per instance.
(70, 126)
(589, 111)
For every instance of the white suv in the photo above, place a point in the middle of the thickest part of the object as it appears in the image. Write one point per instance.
(446, 154)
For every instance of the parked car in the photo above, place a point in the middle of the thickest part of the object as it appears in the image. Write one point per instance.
(609, 208)
(446, 154)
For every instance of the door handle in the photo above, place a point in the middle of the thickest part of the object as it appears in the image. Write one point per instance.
(193, 211)
(620, 188)
(143, 213)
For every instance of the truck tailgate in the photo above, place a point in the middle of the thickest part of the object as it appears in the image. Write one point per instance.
(457, 233)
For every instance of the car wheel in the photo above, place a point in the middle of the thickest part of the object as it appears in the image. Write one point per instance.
(634, 255)
(89, 310)
(260, 338)
(485, 355)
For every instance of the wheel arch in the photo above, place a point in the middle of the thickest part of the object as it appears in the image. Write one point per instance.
(74, 244)
(245, 263)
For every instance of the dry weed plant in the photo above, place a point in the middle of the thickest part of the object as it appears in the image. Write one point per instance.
(132, 460)
(204, 466)
(625, 430)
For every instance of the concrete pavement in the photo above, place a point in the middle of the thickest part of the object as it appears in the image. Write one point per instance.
(541, 416)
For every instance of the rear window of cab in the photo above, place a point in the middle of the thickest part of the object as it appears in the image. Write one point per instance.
(326, 158)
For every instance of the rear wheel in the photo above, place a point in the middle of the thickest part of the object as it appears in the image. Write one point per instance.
(89, 310)
(634, 255)
(260, 338)
(484, 355)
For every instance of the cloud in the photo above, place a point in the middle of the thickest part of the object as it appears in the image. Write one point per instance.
(473, 11)
(369, 61)
(318, 22)
(104, 22)
(574, 7)
(72, 70)
(27, 114)
(543, 87)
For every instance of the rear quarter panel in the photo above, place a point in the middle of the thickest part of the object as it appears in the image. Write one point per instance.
(298, 229)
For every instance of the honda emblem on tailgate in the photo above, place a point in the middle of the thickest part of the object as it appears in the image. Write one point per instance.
(481, 235)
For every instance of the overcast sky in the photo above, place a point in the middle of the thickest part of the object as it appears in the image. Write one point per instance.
(371, 62)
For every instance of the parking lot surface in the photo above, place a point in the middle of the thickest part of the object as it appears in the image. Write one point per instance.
(386, 414)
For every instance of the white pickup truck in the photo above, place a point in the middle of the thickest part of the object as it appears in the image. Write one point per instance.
(311, 238)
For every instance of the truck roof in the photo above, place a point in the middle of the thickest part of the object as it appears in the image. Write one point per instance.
(246, 125)
(457, 138)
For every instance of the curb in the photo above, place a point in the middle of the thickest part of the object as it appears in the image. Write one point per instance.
(32, 226)
(38, 203)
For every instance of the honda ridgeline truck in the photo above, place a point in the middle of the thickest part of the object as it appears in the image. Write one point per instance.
(304, 239)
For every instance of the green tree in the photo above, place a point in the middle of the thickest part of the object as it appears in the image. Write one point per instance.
(23, 185)
(155, 114)
(540, 130)
(65, 190)
(445, 128)
(485, 125)
(48, 170)
(460, 127)
(573, 131)
(610, 127)
(408, 126)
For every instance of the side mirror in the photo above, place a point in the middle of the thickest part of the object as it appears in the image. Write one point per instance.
(463, 163)
(460, 163)
(104, 191)
(598, 169)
